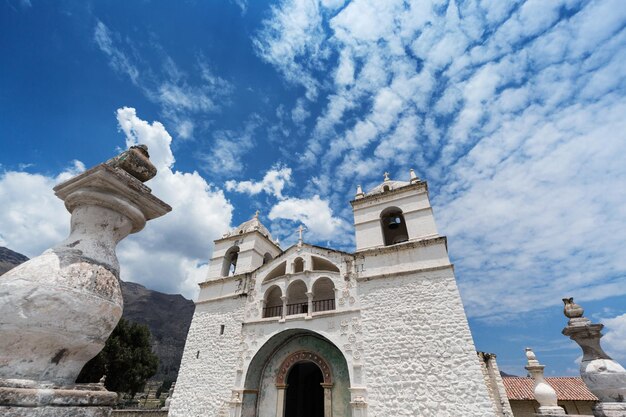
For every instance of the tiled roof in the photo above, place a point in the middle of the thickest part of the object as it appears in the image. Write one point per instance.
(567, 388)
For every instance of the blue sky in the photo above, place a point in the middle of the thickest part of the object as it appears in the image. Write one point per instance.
(514, 112)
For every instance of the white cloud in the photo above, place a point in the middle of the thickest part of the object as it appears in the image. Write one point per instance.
(614, 340)
(514, 113)
(170, 253)
(314, 213)
(228, 148)
(181, 102)
(33, 218)
(272, 183)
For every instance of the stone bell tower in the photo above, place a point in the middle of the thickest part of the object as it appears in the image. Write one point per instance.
(417, 342)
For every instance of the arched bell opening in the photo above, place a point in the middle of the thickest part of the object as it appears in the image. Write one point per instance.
(267, 258)
(393, 226)
(229, 267)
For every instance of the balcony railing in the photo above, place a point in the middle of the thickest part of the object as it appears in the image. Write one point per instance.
(324, 305)
(298, 308)
(276, 311)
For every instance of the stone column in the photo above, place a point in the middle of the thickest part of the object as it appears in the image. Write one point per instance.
(604, 377)
(59, 308)
(328, 399)
(544, 393)
(309, 313)
(281, 395)
(284, 298)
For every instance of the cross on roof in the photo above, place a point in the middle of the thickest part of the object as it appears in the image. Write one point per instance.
(256, 214)
(386, 174)
(301, 230)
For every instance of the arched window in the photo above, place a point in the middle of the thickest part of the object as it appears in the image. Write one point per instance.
(297, 301)
(393, 226)
(323, 295)
(267, 257)
(273, 302)
(230, 261)
(298, 265)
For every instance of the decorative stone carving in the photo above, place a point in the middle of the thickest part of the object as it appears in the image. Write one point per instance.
(59, 308)
(571, 309)
(303, 356)
(603, 376)
(544, 393)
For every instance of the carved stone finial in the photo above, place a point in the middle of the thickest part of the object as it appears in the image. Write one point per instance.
(256, 214)
(530, 355)
(136, 162)
(412, 177)
(386, 175)
(571, 309)
(359, 191)
(543, 392)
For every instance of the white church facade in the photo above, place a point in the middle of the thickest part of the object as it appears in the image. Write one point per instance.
(316, 332)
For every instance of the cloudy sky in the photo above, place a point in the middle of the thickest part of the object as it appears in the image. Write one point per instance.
(513, 111)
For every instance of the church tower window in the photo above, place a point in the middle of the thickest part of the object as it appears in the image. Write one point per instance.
(230, 262)
(323, 295)
(393, 226)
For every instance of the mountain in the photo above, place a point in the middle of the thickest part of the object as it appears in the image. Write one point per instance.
(10, 259)
(167, 315)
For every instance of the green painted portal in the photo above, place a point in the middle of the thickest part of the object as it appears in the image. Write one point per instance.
(305, 395)
(261, 394)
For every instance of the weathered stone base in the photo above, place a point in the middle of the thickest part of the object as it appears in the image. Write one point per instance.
(52, 411)
(604, 409)
(25, 398)
(551, 411)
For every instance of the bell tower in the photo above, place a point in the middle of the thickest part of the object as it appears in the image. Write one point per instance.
(243, 250)
(393, 212)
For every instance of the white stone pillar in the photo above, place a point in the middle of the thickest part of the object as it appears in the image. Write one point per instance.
(280, 399)
(544, 393)
(328, 400)
(309, 295)
(284, 298)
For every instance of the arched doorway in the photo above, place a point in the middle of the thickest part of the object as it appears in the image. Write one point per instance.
(305, 395)
(267, 376)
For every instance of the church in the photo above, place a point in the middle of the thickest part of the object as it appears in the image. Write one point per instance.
(310, 331)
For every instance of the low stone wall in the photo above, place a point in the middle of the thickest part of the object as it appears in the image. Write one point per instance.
(138, 413)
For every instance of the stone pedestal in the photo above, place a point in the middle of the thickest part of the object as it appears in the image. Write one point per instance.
(58, 309)
(544, 393)
(608, 409)
(604, 377)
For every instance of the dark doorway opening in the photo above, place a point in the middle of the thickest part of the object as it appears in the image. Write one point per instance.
(305, 395)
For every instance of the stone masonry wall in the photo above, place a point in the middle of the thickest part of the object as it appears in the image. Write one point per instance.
(206, 378)
(419, 354)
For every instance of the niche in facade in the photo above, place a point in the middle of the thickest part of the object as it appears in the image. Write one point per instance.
(267, 257)
(278, 271)
(393, 226)
(321, 264)
(230, 261)
(298, 265)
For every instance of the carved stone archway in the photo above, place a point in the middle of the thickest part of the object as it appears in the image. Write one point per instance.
(283, 371)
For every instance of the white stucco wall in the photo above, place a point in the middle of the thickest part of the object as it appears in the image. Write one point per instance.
(205, 378)
(419, 354)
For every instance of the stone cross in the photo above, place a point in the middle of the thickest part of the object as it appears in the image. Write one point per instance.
(386, 175)
(301, 230)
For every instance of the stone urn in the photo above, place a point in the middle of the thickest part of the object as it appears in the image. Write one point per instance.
(58, 309)
(571, 309)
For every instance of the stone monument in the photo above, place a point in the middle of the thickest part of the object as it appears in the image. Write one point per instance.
(58, 309)
(544, 393)
(603, 376)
